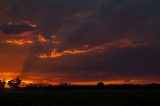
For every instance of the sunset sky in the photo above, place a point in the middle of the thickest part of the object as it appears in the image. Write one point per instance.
(80, 41)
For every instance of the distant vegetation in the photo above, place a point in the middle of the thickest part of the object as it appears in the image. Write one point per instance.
(2, 83)
(14, 83)
(17, 82)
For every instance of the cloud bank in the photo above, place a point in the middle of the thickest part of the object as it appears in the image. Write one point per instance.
(75, 40)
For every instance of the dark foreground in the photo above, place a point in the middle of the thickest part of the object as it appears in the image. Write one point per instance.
(80, 97)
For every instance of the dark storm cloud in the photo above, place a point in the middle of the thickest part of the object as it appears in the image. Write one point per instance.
(104, 17)
(16, 28)
(92, 22)
(119, 63)
(50, 14)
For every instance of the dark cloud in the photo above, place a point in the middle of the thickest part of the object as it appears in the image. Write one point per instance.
(118, 63)
(16, 28)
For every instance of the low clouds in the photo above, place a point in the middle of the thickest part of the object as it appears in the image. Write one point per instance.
(118, 38)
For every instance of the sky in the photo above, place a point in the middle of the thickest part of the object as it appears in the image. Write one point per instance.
(80, 41)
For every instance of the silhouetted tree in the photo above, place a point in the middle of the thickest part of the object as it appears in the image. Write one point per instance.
(100, 85)
(15, 83)
(2, 83)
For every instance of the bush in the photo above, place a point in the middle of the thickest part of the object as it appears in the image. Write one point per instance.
(15, 83)
(100, 85)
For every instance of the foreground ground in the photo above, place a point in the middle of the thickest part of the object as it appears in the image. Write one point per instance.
(80, 97)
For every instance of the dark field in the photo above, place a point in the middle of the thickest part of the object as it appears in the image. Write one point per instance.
(80, 97)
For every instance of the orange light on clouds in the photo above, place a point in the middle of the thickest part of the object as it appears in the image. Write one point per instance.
(99, 48)
(43, 56)
(42, 39)
(55, 54)
(19, 42)
(8, 75)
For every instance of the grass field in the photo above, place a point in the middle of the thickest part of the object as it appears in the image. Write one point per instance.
(80, 97)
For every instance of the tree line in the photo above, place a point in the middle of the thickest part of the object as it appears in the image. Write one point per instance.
(14, 83)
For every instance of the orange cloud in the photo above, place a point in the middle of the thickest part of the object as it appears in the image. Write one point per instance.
(55, 54)
(42, 39)
(19, 42)
(43, 56)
